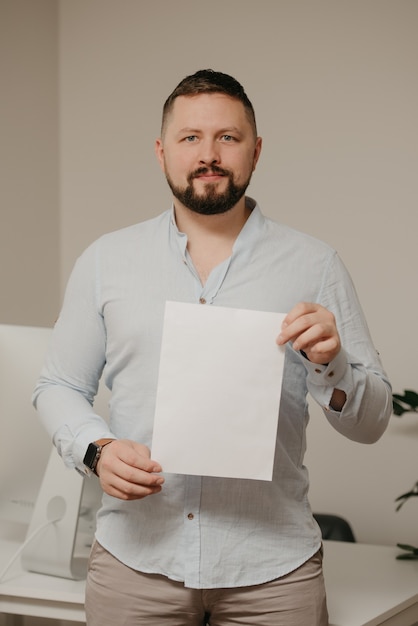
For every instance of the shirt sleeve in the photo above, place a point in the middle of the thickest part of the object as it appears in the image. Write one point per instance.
(357, 369)
(65, 392)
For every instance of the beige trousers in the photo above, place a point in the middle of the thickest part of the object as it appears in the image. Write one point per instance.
(119, 596)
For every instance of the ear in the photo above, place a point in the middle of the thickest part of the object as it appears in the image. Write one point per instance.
(159, 151)
(257, 151)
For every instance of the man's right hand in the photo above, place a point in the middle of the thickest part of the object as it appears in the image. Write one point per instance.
(126, 470)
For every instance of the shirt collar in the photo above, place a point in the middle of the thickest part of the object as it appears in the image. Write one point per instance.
(247, 235)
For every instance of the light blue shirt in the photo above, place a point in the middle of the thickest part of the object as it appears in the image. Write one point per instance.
(208, 532)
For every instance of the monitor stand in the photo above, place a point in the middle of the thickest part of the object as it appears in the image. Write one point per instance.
(62, 527)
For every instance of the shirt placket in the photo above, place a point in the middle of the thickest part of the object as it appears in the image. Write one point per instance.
(192, 530)
(206, 294)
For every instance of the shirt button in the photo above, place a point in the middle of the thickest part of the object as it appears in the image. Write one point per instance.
(317, 370)
(202, 300)
(331, 374)
(190, 516)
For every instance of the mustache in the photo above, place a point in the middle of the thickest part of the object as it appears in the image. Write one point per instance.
(214, 169)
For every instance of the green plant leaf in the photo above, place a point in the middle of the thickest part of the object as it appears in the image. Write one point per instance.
(406, 556)
(405, 496)
(406, 402)
(398, 408)
(411, 552)
(409, 548)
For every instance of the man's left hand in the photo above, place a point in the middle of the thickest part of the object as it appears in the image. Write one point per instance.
(312, 329)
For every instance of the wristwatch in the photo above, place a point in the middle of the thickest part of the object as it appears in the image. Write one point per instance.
(92, 456)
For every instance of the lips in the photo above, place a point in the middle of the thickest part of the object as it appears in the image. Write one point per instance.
(210, 177)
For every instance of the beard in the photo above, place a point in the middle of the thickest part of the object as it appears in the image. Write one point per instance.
(211, 202)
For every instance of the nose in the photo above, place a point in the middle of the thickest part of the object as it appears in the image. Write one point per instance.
(209, 153)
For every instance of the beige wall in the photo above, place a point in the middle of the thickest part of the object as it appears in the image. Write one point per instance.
(335, 90)
(29, 210)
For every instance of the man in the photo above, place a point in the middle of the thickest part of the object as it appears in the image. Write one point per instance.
(172, 549)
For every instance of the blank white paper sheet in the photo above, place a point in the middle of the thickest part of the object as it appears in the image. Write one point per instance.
(218, 395)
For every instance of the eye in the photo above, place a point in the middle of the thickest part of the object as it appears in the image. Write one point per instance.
(227, 138)
(190, 138)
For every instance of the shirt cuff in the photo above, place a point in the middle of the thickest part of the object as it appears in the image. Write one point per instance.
(73, 449)
(328, 375)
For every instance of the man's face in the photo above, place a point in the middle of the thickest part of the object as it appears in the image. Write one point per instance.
(208, 152)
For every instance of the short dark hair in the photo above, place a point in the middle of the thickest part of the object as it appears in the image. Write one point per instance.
(209, 81)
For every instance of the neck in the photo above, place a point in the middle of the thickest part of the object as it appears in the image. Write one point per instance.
(210, 238)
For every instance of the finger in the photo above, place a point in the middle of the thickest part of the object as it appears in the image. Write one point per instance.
(299, 310)
(133, 454)
(127, 482)
(124, 490)
(322, 351)
(297, 321)
(293, 330)
(312, 334)
(144, 463)
(135, 476)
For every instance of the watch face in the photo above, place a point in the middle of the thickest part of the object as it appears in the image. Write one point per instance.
(90, 458)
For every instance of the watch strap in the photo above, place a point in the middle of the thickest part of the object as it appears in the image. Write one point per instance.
(101, 443)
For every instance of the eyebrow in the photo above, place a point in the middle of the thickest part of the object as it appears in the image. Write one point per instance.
(194, 131)
(188, 131)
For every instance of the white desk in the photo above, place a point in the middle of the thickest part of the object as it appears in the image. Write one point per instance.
(25, 593)
(366, 586)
